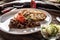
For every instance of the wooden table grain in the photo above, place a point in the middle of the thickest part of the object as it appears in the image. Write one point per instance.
(34, 36)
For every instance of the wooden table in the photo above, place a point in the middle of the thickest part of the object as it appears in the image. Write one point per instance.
(34, 36)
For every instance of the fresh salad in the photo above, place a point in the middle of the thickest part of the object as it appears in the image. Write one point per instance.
(50, 30)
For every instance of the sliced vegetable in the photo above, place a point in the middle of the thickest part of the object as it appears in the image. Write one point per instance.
(20, 18)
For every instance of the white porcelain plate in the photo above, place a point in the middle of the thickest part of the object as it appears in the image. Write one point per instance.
(5, 19)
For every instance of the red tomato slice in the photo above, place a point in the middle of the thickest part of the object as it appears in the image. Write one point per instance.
(20, 18)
